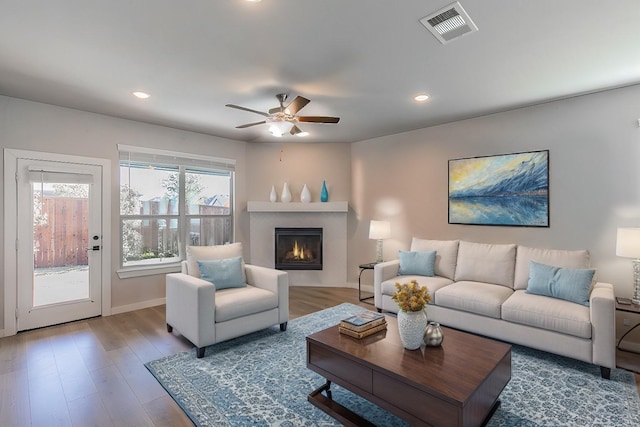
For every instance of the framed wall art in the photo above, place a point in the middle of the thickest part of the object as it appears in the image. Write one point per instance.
(506, 189)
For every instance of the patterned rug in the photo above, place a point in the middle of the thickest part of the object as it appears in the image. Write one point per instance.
(261, 380)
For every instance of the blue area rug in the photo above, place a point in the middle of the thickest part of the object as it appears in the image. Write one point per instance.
(261, 380)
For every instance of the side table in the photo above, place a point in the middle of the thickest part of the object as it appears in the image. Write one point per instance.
(628, 308)
(363, 267)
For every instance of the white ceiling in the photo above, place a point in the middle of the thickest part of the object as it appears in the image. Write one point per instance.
(361, 60)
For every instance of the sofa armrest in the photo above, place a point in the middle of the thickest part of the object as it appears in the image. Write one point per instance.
(382, 272)
(273, 280)
(190, 307)
(603, 329)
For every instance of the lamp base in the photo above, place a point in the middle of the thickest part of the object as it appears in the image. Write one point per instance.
(379, 250)
(636, 282)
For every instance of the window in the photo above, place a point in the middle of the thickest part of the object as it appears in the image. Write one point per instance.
(171, 200)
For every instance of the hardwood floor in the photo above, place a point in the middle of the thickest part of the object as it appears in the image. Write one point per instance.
(91, 372)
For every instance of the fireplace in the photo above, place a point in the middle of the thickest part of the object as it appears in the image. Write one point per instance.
(298, 248)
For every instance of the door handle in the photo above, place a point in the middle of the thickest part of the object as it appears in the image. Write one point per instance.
(93, 248)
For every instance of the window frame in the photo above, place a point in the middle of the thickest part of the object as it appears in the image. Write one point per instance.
(185, 163)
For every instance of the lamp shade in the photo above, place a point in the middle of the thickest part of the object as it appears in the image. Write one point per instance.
(628, 242)
(379, 230)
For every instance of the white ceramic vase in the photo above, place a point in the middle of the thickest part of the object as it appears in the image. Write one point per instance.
(305, 196)
(411, 326)
(286, 194)
(273, 197)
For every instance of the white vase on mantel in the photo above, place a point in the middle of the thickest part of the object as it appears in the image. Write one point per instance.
(305, 196)
(273, 197)
(286, 194)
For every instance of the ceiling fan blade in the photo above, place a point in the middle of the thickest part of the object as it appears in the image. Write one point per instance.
(248, 109)
(275, 110)
(297, 105)
(318, 119)
(251, 124)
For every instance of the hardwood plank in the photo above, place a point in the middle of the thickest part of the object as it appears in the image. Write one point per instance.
(165, 412)
(15, 409)
(118, 398)
(48, 402)
(89, 411)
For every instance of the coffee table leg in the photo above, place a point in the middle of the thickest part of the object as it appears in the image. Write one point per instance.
(326, 388)
(336, 410)
(494, 408)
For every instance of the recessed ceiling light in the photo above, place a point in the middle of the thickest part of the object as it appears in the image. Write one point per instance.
(421, 98)
(141, 95)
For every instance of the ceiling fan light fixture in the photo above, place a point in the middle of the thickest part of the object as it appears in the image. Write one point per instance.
(278, 129)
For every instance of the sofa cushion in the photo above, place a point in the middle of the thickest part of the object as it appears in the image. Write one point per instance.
(204, 253)
(475, 297)
(559, 258)
(482, 262)
(418, 263)
(233, 303)
(446, 254)
(547, 313)
(223, 273)
(432, 283)
(570, 284)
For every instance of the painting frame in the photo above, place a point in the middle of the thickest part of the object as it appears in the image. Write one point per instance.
(500, 190)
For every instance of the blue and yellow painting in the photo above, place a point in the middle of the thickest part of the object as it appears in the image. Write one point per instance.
(509, 189)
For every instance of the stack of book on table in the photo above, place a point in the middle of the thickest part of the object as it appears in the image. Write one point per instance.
(363, 324)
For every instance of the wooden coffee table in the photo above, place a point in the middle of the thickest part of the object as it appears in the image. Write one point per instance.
(457, 384)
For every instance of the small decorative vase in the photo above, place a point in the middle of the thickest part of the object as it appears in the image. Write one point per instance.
(273, 196)
(411, 325)
(324, 194)
(433, 335)
(305, 196)
(286, 194)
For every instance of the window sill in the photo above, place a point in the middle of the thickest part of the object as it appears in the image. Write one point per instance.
(129, 272)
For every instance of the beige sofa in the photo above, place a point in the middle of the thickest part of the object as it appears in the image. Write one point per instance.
(481, 288)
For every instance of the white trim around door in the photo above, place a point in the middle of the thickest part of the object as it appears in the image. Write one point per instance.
(11, 157)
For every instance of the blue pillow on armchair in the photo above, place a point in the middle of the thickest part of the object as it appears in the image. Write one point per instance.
(417, 263)
(224, 273)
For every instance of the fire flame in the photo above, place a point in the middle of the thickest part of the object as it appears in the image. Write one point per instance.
(300, 253)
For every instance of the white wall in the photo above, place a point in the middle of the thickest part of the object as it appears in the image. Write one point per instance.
(594, 144)
(40, 127)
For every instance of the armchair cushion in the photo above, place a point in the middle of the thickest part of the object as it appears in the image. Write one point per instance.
(235, 303)
(204, 253)
(223, 273)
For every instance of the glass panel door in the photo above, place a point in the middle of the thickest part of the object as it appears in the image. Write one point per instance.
(59, 242)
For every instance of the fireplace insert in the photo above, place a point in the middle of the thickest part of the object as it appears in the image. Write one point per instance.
(298, 249)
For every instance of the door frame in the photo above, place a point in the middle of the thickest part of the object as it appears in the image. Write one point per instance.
(11, 157)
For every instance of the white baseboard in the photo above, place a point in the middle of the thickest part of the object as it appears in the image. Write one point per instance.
(138, 305)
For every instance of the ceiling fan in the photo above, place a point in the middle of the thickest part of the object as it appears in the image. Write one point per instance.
(283, 119)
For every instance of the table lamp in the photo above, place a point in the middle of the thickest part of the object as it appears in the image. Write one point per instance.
(628, 246)
(379, 230)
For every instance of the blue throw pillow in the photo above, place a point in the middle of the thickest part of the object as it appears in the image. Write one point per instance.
(224, 273)
(571, 284)
(418, 263)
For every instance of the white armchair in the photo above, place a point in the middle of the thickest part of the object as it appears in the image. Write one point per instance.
(206, 316)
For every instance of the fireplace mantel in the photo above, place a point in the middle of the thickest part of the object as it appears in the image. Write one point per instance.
(297, 207)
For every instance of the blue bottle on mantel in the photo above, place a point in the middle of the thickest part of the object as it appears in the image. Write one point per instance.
(324, 194)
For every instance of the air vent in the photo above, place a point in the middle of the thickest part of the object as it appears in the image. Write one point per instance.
(449, 23)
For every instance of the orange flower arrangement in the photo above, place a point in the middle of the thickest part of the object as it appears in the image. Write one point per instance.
(411, 296)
